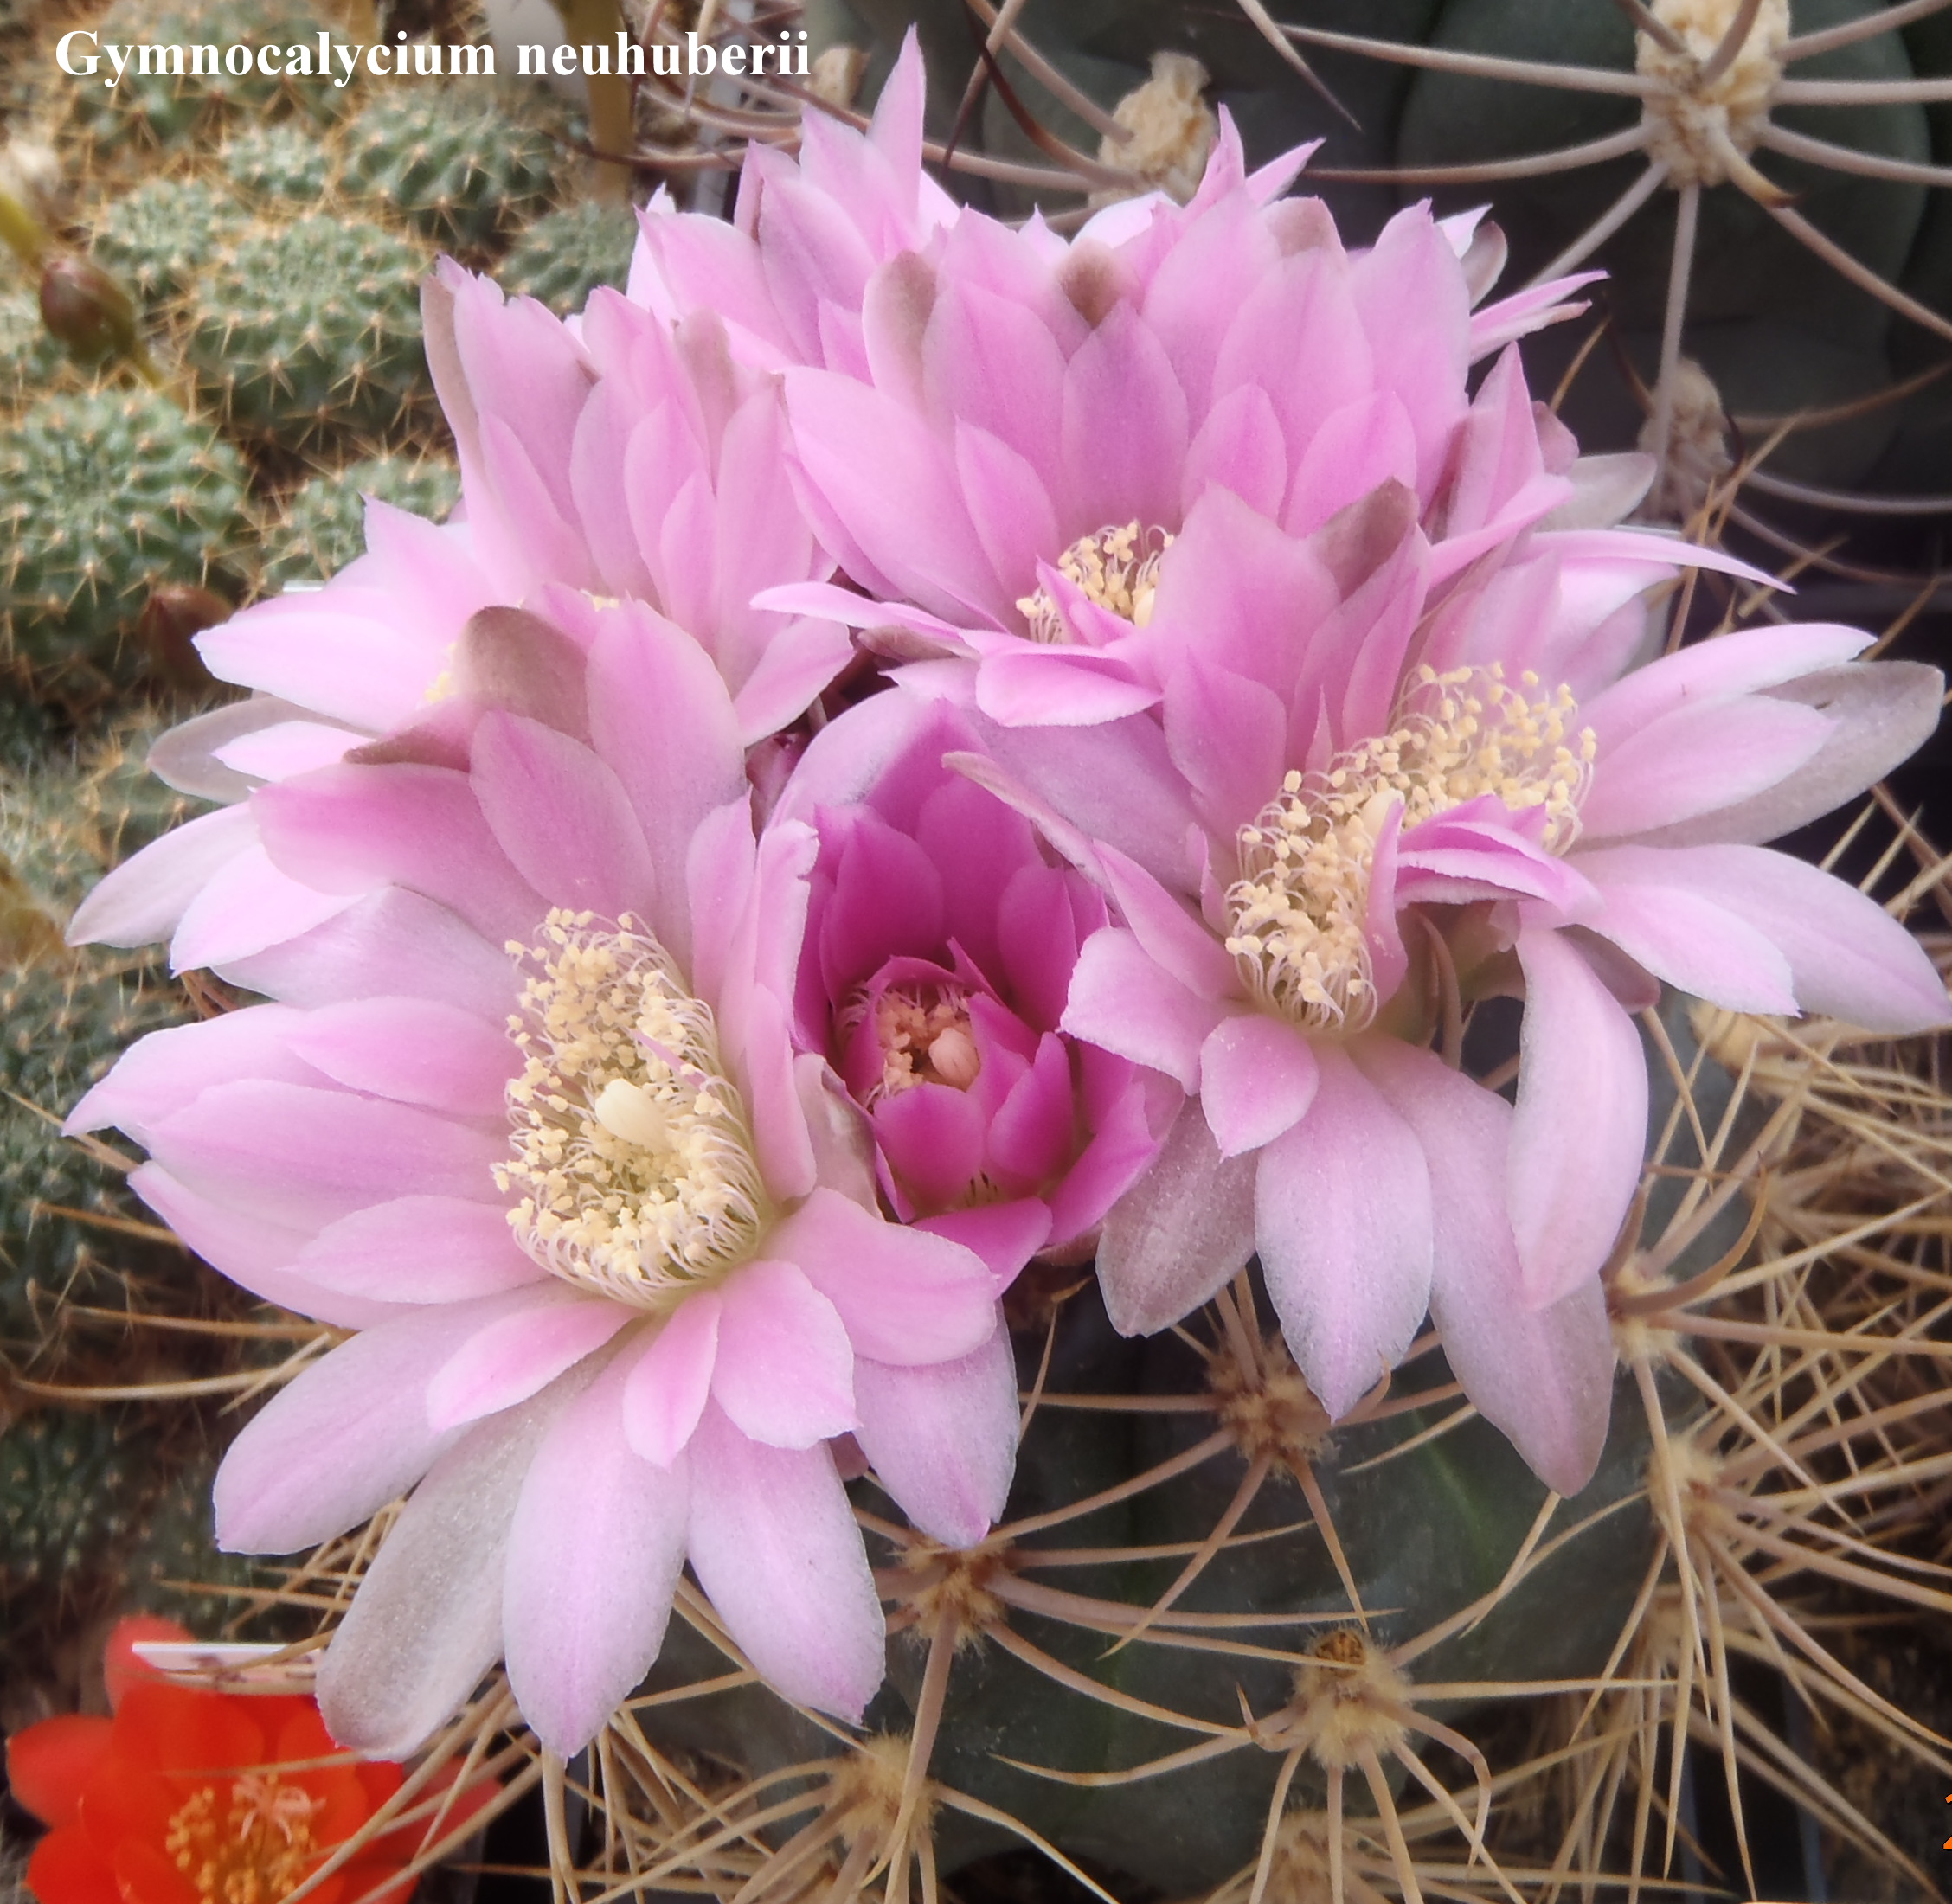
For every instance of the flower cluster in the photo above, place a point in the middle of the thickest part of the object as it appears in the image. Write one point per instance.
(188, 1796)
(930, 743)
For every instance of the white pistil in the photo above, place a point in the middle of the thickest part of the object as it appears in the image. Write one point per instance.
(1117, 568)
(1298, 911)
(632, 1157)
(925, 1036)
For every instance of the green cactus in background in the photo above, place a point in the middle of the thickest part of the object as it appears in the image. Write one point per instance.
(104, 495)
(31, 364)
(283, 163)
(323, 523)
(71, 1485)
(451, 163)
(143, 113)
(309, 331)
(157, 237)
(565, 254)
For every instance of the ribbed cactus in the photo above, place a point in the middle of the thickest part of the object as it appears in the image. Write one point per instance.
(321, 527)
(309, 330)
(103, 497)
(449, 162)
(71, 1486)
(277, 164)
(159, 235)
(565, 254)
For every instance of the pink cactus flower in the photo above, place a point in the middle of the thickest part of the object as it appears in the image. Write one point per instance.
(1009, 473)
(939, 947)
(1399, 802)
(787, 274)
(523, 1110)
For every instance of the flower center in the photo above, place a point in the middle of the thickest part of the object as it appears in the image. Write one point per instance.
(924, 1037)
(1117, 568)
(256, 1851)
(1703, 130)
(633, 1161)
(1299, 912)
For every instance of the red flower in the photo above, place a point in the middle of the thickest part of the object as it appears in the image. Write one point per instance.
(192, 1796)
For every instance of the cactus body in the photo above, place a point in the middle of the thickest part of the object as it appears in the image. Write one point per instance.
(71, 1482)
(103, 497)
(277, 163)
(452, 166)
(324, 520)
(310, 330)
(158, 237)
(565, 255)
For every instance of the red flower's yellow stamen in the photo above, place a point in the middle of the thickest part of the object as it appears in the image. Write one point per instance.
(256, 1849)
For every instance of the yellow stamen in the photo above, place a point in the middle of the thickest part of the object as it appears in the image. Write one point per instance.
(633, 1155)
(1298, 912)
(257, 1852)
(1118, 568)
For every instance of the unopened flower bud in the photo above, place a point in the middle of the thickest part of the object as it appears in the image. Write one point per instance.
(87, 310)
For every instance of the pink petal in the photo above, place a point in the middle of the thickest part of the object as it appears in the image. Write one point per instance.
(1180, 1233)
(519, 1354)
(349, 1435)
(660, 719)
(1257, 1078)
(562, 817)
(158, 1076)
(905, 1298)
(348, 829)
(1698, 759)
(667, 1383)
(143, 898)
(1177, 941)
(1005, 1235)
(775, 1544)
(254, 1253)
(413, 1050)
(1059, 687)
(246, 905)
(1580, 1133)
(594, 1554)
(1848, 958)
(785, 1371)
(1122, 1001)
(932, 1137)
(1883, 711)
(1032, 1133)
(419, 1249)
(1343, 1218)
(1685, 938)
(1741, 662)
(425, 1627)
(1544, 1376)
(393, 938)
(310, 1157)
(943, 1440)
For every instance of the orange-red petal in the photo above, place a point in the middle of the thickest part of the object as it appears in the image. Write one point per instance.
(144, 1874)
(65, 1868)
(49, 1764)
(120, 1666)
(176, 1728)
(125, 1799)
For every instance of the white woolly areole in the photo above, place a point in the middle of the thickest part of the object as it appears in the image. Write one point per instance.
(1703, 129)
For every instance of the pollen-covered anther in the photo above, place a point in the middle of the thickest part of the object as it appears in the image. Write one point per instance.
(1703, 128)
(1117, 568)
(254, 1849)
(632, 1161)
(926, 1037)
(1299, 914)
